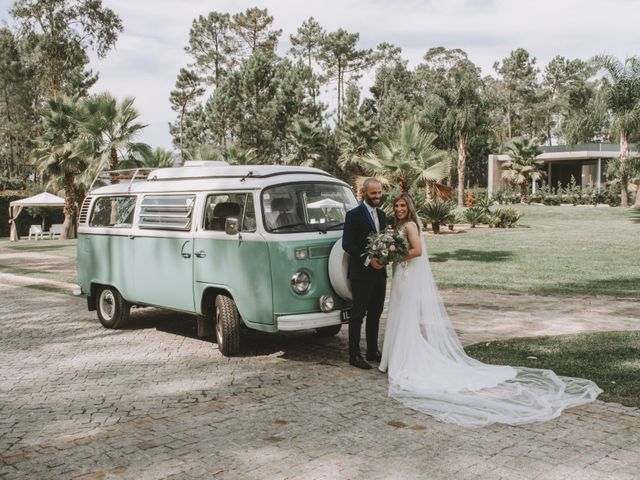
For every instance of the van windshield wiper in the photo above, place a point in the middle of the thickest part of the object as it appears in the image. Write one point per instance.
(325, 230)
(292, 225)
(341, 224)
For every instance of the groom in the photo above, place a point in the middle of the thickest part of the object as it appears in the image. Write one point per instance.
(367, 276)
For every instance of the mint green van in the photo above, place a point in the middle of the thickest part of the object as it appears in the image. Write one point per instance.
(238, 246)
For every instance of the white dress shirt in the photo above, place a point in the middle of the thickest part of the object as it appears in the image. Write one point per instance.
(374, 216)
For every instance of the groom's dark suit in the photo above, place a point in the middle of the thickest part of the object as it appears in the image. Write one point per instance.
(368, 285)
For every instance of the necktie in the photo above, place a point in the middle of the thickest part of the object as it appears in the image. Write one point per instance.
(376, 222)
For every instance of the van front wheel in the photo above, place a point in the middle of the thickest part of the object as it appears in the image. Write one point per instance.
(227, 325)
(113, 310)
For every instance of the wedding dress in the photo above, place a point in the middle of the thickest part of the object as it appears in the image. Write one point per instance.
(429, 371)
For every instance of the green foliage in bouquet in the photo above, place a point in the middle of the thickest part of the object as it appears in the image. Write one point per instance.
(387, 247)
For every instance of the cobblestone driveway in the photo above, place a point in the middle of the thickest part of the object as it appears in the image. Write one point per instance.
(153, 401)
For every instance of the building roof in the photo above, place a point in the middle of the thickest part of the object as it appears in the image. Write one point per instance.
(583, 151)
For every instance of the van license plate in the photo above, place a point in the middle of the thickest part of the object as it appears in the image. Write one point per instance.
(345, 315)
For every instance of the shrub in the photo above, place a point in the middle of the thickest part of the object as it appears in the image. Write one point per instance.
(438, 212)
(475, 215)
(505, 217)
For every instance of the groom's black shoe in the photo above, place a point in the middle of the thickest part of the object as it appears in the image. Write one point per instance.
(374, 356)
(359, 362)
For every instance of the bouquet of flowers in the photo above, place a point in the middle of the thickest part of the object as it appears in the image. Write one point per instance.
(387, 247)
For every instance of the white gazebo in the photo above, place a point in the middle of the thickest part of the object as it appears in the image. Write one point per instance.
(43, 199)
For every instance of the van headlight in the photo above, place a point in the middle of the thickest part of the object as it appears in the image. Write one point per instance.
(326, 303)
(300, 282)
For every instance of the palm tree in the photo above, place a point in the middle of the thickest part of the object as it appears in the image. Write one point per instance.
(458, 102)
(306, 143)
(55, 154)
(523, 167)
(356, 138)
(230, 154)
(408, 159)
(158, 158)
(622, 96)
(109, 130)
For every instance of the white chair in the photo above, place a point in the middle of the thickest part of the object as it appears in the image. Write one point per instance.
(36, 231)
(55, 230)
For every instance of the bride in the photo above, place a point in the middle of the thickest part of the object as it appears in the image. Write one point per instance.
(430, 372)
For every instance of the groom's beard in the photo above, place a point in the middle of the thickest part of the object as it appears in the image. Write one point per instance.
(370, 202)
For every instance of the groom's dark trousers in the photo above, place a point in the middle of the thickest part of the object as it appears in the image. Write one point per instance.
(368, 285)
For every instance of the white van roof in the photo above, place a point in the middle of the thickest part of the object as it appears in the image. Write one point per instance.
(205, 175)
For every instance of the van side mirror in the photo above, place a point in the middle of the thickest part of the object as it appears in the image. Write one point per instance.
(231, 226)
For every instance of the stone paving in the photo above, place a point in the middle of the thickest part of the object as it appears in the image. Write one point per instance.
(153, 401)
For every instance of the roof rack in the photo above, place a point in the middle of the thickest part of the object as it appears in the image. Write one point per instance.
(110, 177)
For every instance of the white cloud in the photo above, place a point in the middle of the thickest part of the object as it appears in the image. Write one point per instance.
(150, 51)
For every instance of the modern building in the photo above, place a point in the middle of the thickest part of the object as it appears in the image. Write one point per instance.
(585, 162)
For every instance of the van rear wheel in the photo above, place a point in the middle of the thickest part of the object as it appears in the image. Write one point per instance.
(113, 310)
(329, 331)
(227, 325)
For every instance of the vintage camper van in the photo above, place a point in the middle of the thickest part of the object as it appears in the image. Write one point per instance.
(238, 246)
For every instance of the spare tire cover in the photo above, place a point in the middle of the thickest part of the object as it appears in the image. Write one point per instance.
(338, 268)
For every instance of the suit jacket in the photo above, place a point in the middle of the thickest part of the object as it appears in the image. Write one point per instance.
(358, 225)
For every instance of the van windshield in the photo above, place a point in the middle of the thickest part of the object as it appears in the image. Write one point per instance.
(306, 207)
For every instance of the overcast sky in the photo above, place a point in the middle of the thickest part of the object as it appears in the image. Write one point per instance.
(150, 51)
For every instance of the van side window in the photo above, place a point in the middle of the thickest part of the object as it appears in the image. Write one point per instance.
(222, 206)
(113, 212)
(166, 212)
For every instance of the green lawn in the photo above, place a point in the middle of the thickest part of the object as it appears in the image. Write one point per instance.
(611, 359)
(557, 250)
(62, 248)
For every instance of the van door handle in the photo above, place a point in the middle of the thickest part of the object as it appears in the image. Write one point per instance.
(201, 254)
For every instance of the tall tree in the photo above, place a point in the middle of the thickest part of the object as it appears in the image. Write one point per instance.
(306, 45)
(342, 60)
(456, 102)
(64, 30)
(252, 31)
(392, 74)
(210, 46)
(17, 105)
(518, 73)
(622, 97)
(307, 42)
(568, 96)
(56, 154)
(185, 95)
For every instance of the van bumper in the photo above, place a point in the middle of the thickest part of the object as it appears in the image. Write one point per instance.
(304, 321)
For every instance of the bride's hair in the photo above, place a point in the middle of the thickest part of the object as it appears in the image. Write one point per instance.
(412, 216)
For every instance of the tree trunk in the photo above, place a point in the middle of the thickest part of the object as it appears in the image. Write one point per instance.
(636, 204)
(462, 165)
(624, 155)
(523, 193)
(67, 225)
(429, 189)
(509, 117)
(182, 110)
